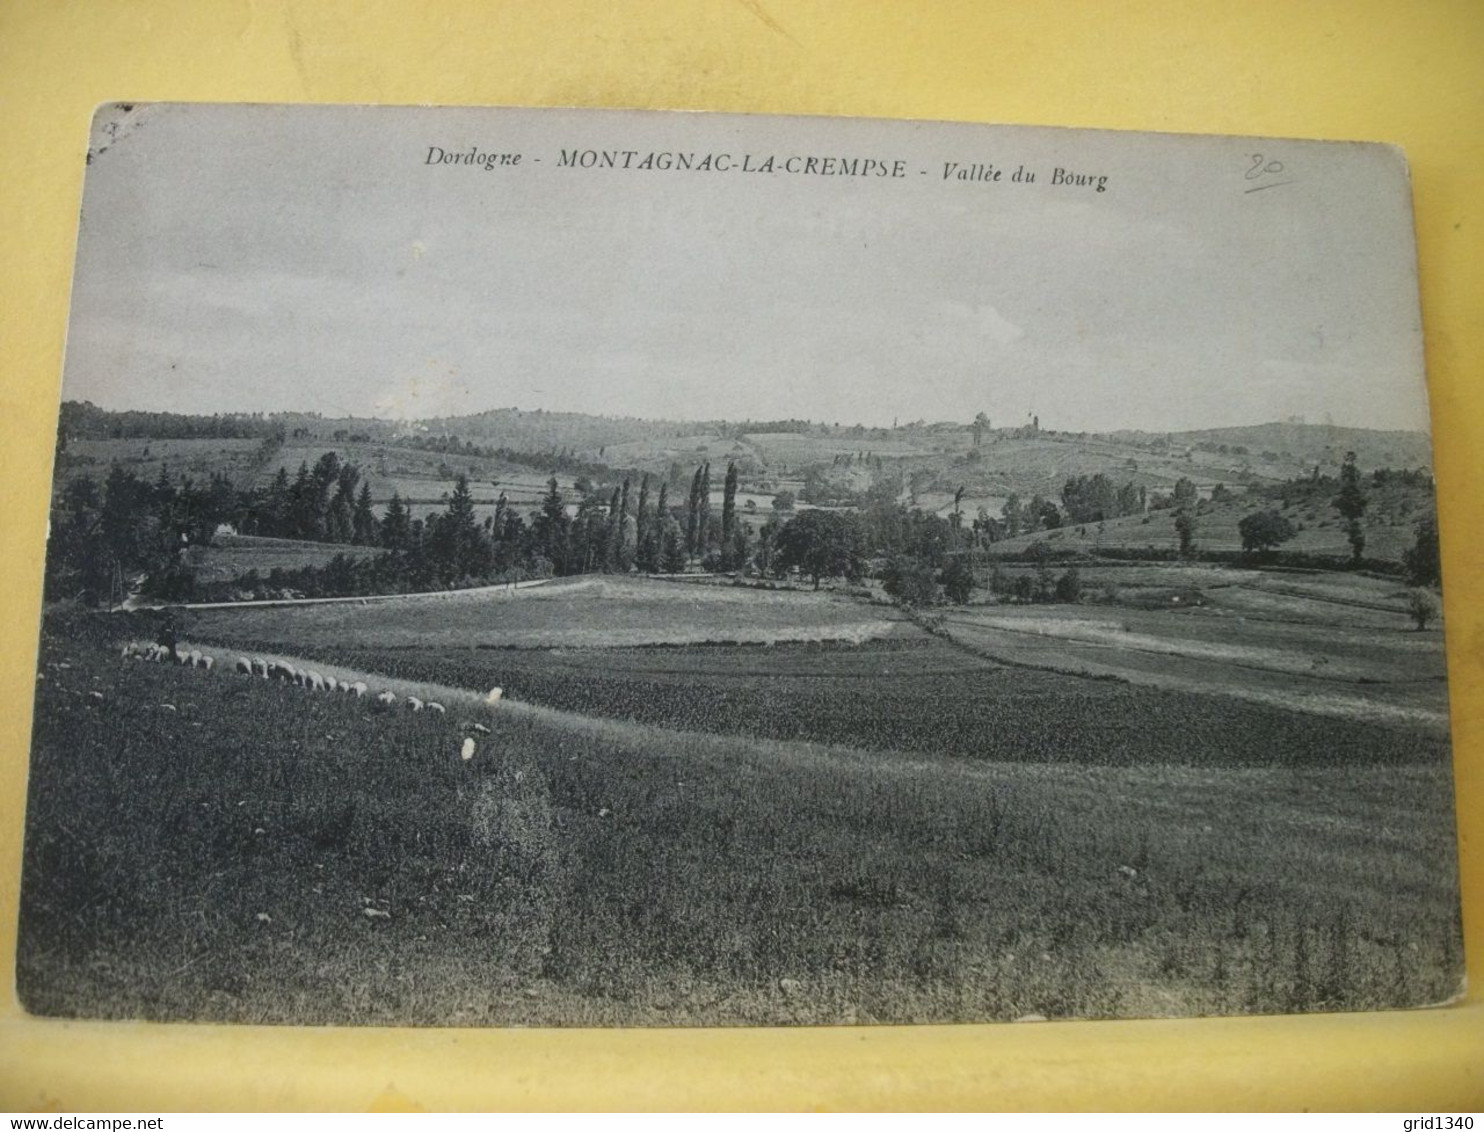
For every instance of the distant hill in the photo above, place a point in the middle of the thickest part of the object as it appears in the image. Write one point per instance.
(1389, 523)
(1307, 443)
(514, 450)
(540, 430)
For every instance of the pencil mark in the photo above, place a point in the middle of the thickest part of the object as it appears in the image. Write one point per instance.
(756, 8)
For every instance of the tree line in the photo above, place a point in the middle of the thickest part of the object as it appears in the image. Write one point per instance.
(127, 532)
(109, 538)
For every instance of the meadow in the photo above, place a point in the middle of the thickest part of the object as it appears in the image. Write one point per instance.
(899, 695)
(231, 556)
(1203, 789)
(1389, 529)
(591, 611)
(424, 479)
(215, 847)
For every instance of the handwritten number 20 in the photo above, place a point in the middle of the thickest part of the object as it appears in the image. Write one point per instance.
(1258, 168)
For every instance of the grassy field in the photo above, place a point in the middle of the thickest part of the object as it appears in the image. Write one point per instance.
(1256, 676)
(1389, 528)
(1334, 646)
(1331, 643)
(589, 611)
(145, 456)
(920, 695)
(231, 556)
(254, 852)
(424, 478)
(1341, 600)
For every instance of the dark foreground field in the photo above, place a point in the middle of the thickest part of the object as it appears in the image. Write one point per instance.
(254, 852)
(921, 694)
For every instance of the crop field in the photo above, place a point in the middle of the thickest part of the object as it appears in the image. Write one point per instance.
(1368, 667)
(795, 450)
(145, 456)
(1250, 626)
(1345, 601)
(1389, 531)
(656, 453)
(941, 503)
(591, 611)
(389, 462)
(1043, 464)
(231, 556)
(416, 475)
(901, 695)
(216, 847)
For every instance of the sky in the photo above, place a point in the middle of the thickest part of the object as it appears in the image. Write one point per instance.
(268, 258)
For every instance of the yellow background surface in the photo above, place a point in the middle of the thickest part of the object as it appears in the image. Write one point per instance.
(1408, 73)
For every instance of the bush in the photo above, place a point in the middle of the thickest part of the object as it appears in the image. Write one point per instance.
(1263, 530)
(1423, 559)
(1069, 586)
(910, 582)
(958, 580)
(1422, 607)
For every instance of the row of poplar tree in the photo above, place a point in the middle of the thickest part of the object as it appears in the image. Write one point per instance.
(105, 537)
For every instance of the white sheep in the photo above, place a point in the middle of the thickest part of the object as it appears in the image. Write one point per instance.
(193, 658)
(208, 662)
(494, 696)
(435, 707)
(331, 684)
(243, 665)
(299, 676)
(385, 701)
(414, 704)
(130, 649)
(478, 728)
(314, 681)
(467, 752)
(358, 689)
(260, 667)
(183, 658)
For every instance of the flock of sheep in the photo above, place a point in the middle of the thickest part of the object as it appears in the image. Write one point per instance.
(308, 679)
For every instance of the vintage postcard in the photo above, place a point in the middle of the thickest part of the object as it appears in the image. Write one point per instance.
(567, 568)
